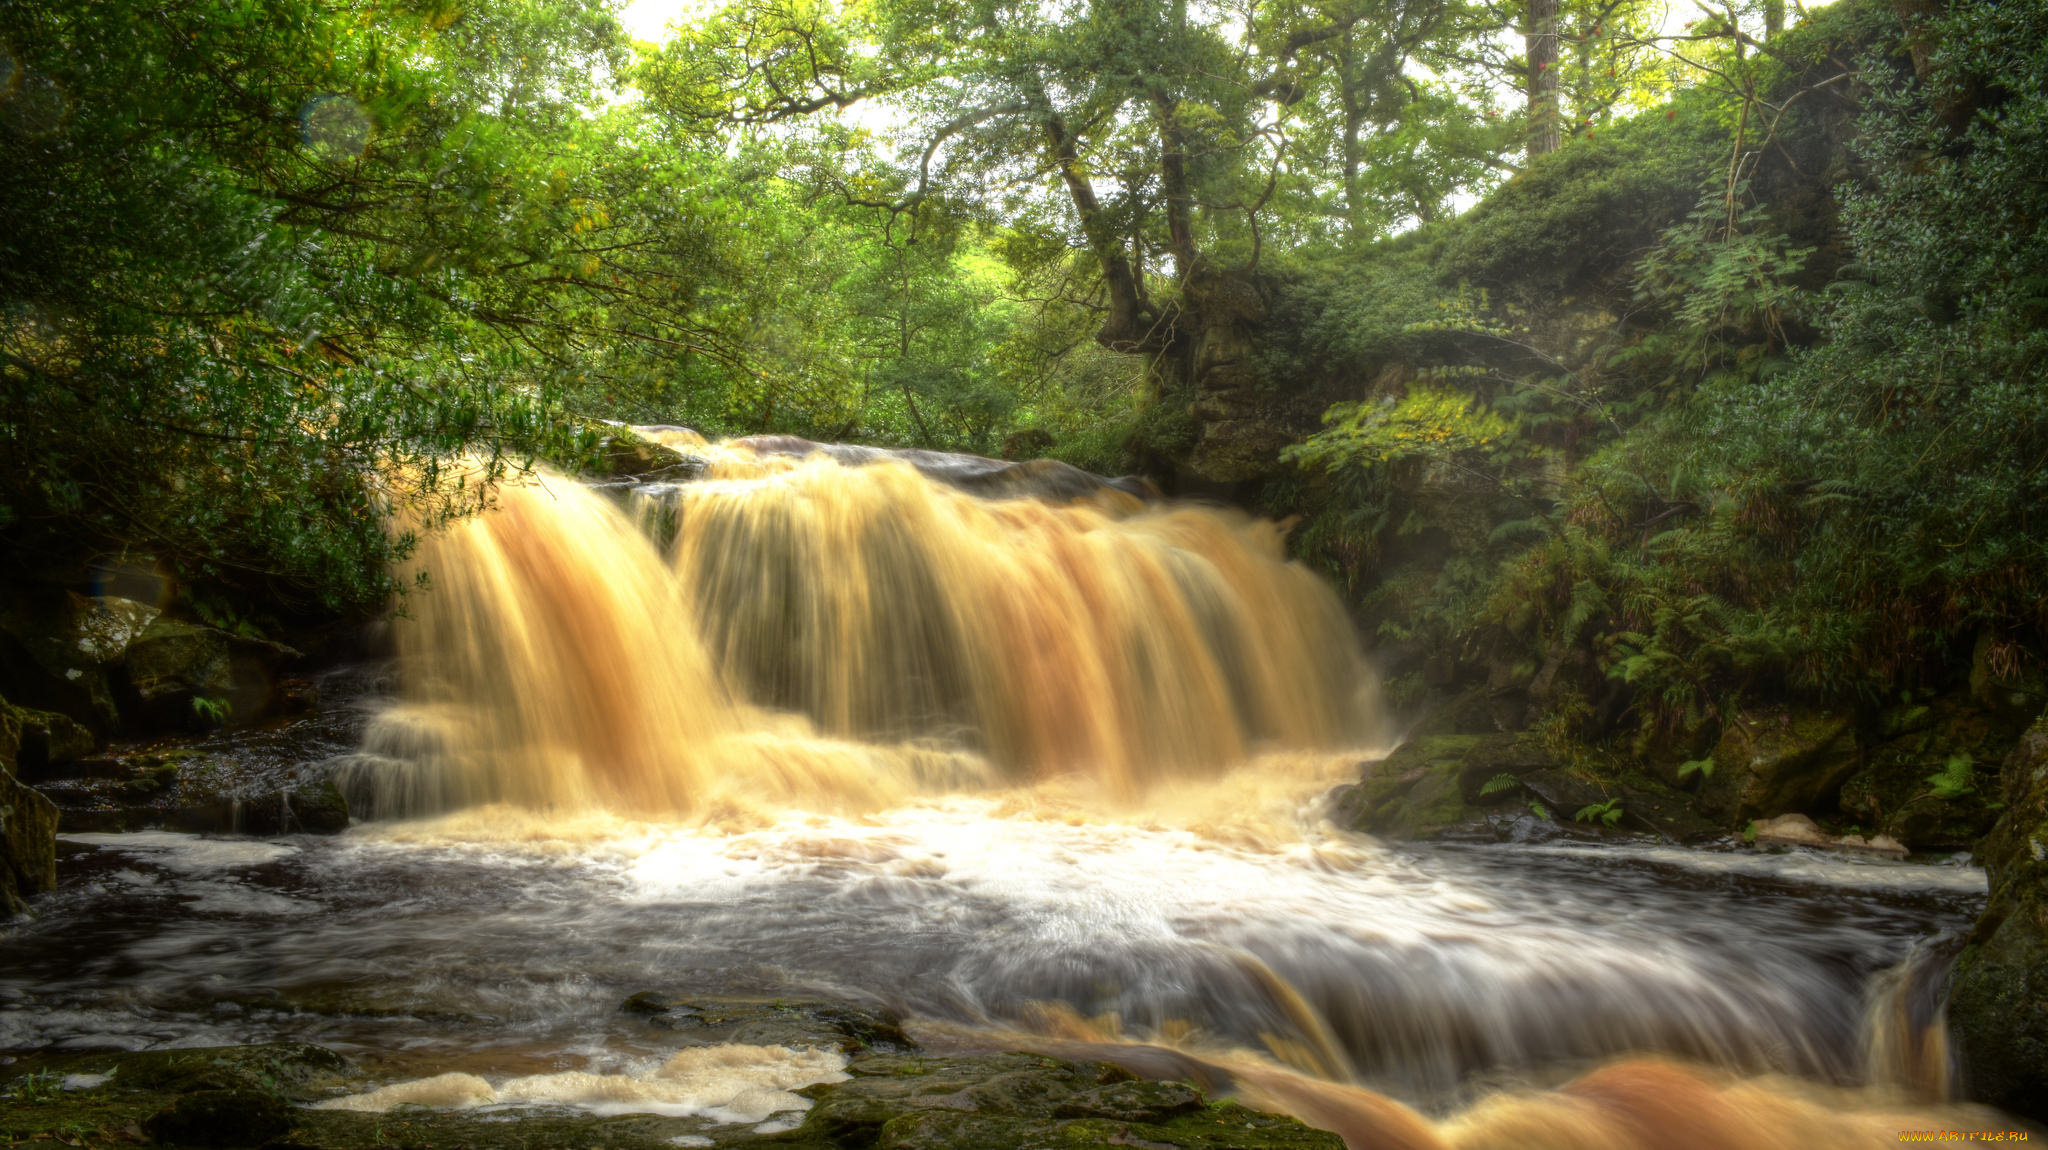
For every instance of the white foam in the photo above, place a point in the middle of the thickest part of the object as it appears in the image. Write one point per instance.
(86, 1081)
(730, 1084)
(234, 898)
(442, 1092)
(1797, 865)
(189, 854)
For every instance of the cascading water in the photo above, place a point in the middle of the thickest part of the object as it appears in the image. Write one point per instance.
(844, 636)
(825, 722)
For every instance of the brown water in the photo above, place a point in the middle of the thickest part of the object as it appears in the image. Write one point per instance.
(840, 637)
(1006, 766)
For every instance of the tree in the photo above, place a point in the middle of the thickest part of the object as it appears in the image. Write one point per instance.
(270, 267)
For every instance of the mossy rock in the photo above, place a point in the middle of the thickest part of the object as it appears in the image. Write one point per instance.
(1998, 1004)
(1918, 751)
(772, 1022)
(220, 1118)
(28, 843)
(251, 1096)
(192, 791)
(43, 739)
(174, 663)
(1780, 760)
(615, 451)
(1438, 782)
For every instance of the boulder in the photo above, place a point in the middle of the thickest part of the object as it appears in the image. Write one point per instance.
(186, 675)
(47, 738)
(1779, 760)
(172, 662)
(1437, 782)
(28, 826)
(1998, 1004)
(55, 648)
(1790, 830)
(621, 451)
(1929, 773)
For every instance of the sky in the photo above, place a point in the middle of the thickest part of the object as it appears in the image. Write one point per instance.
(646, 19)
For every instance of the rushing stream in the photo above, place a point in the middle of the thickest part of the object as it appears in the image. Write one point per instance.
(807, 729)
(1424, 964)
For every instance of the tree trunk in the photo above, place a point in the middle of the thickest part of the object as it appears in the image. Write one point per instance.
(1540, 38)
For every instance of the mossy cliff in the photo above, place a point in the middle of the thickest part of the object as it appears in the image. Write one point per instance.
(1998, 1005)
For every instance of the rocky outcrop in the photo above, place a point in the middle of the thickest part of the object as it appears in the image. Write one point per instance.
(58, 651)
(1782, 759)
(28, 826)
(173, 663)
(622, 451)
(1505, 787)
(1998, 1007)
(1438, 782)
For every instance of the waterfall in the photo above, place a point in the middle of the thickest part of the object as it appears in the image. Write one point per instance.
(799, 628)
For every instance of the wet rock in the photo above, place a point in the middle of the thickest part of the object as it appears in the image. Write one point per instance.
(1790, 830)
(1132, 1102)
(313, 807)
(172, 662)
(28, 843)
(1928, 774)
(47, 739)
(220, 1118)
(242, 1096)
(28, 825)
(1779, 760)
(295, 1071)
(1998, 1005)
(1413, 793)
(773, 1022)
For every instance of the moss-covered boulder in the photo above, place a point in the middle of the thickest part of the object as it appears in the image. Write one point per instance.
(616, 451)
(44, 739)
(28, 826)
(173, 663)
(28, 843)
(1434, 783)
(1929, 774)
(1778, 760)
(772, 1022)
(1998, 1007)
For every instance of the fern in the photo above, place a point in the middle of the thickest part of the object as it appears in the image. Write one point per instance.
(1957, 777)
(1608, 813)
(1499, 783)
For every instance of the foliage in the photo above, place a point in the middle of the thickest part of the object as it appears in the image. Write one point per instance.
(1498, 784)
(1957, 777)
(1429, 422)
(269, 266)
(1741, 478)
(1608, 813)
